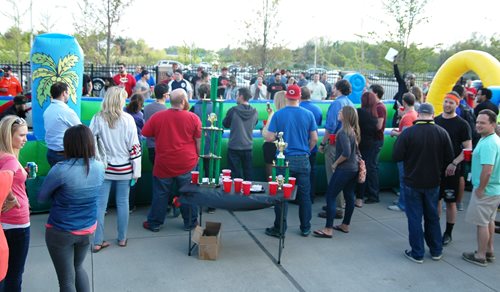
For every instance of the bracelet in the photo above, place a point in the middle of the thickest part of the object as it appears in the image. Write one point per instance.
(454, 164)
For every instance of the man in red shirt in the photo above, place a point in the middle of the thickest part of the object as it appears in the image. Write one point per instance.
(177, 134)
(9, 85)
(123, 79)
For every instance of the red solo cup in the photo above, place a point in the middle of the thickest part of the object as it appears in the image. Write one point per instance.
(246, 187)
(332, 138)
(225, 177)
(467, 155)
(194, 176)
(264, 122)
(270, 178)
(273, 188)
(176, 202)
(292, 180)
(226, 172)
(237, 185)
(287, 191)
(227, 185)
(402, 108)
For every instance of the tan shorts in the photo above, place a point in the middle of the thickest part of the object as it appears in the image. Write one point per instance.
(482, 211)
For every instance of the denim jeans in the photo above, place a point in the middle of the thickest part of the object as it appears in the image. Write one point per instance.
(162, 192)
(423, 202)
(240, 163)
(300, 169)
(330, 153)
(312, 176)
(345, 181)
(68, 252)
(402, 187)
(122, 189)
(371, 160)
(54, 157)
(18, 240)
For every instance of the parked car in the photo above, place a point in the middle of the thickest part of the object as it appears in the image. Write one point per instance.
(316, 70)
(168, 63)
(242, 82)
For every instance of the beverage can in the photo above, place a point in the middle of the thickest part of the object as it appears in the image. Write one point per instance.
(31, 169)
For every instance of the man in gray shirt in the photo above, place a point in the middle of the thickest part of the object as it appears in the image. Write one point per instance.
(241, 119)
(161, 94)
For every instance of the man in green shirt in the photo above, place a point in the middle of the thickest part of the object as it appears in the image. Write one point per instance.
(485, 196)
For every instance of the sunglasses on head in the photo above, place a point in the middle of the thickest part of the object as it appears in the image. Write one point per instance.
(19, 121)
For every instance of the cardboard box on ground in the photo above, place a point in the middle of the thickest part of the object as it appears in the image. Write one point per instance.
(208, 240)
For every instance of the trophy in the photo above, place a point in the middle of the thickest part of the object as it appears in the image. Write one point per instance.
(280, 162)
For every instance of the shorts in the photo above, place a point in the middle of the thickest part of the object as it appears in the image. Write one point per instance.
(269, 150)
(448, 189)
(482, 211)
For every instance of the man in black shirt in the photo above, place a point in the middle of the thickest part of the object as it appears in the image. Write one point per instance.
(460, 134)
(425, 149)
(483, 99)
(222, 83)
(275, 86)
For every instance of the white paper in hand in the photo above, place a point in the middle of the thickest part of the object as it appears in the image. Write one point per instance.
(391, 54)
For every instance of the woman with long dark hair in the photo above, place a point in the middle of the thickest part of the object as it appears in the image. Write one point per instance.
(345, 172)
(72, 186)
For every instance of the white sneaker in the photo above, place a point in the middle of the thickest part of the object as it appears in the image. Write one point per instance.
(394, 208)
(460, 206)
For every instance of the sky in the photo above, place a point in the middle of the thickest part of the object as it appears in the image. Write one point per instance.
(217, 24)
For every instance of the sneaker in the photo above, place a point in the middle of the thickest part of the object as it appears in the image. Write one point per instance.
(271, 231)
(147, 226)
(395, 208)
(437, 258)
(446, 239)
(305, 233)
(411, 258)
(490, 257)
(460, 206)
(471, 258)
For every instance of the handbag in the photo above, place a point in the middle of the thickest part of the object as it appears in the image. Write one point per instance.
(361, 167)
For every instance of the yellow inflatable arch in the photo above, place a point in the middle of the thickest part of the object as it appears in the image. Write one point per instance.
(483, 64)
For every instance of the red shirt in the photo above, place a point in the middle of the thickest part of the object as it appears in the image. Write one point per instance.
(12, 85)
(407, 120)
(381, 114)
(175, 133)
(127, 81)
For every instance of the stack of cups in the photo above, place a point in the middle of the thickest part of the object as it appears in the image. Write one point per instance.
(227, 184)
(237, 185)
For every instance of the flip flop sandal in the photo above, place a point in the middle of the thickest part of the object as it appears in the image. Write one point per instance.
(338, 228)
(321, 234)
(122, 243)
(98, 247)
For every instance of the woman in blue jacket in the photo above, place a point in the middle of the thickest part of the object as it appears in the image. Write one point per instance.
(72, 186)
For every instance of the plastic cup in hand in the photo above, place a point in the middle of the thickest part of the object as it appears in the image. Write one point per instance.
(227, 185)
(237, 185)
(264, 122)
(287, 191)
(32, 169)
(292, 180)
(332, 138)
(270, 178)
(246, 185)
(194, 176)
(226, 172)
(273, 188)
(467, 154)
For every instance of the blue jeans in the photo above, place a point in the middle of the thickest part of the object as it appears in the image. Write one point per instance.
(162, 192)
(342, 180)
(18, 240)
(122, 189)
(54, 157)
(423, 202)
(300, 169)
(402, 187)
(240, 163)
(312, 176)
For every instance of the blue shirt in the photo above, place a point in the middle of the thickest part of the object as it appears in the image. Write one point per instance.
(332, 123)
(57, 118)
(296, 123)
(318, 115)
(73, 194)
(151, 80)
(487, 152)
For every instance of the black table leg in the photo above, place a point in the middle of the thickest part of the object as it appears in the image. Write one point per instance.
(282, 235)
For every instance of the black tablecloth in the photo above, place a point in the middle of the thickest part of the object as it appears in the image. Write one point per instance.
(217, 198)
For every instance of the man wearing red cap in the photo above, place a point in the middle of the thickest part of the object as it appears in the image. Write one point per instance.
(299, 131)
(9, 85)
(460, 134)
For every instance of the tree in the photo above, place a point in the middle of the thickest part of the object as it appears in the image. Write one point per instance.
(407, 14)
(15, 35)
(259, 38)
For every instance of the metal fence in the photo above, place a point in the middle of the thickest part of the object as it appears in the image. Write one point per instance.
(99, 74)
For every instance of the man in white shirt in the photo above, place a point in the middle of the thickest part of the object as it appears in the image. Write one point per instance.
(57, 118)
(318, 90)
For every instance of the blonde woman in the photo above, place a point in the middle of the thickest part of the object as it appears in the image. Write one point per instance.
(118, 133)
(268, 148)
(345, 172)
(15, 214)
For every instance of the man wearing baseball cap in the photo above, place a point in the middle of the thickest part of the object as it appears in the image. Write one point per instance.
(425, 150)
(9, 85)
(299, 131)
(460, 134)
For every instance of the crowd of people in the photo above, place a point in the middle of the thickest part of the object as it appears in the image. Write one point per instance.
(429, 150)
